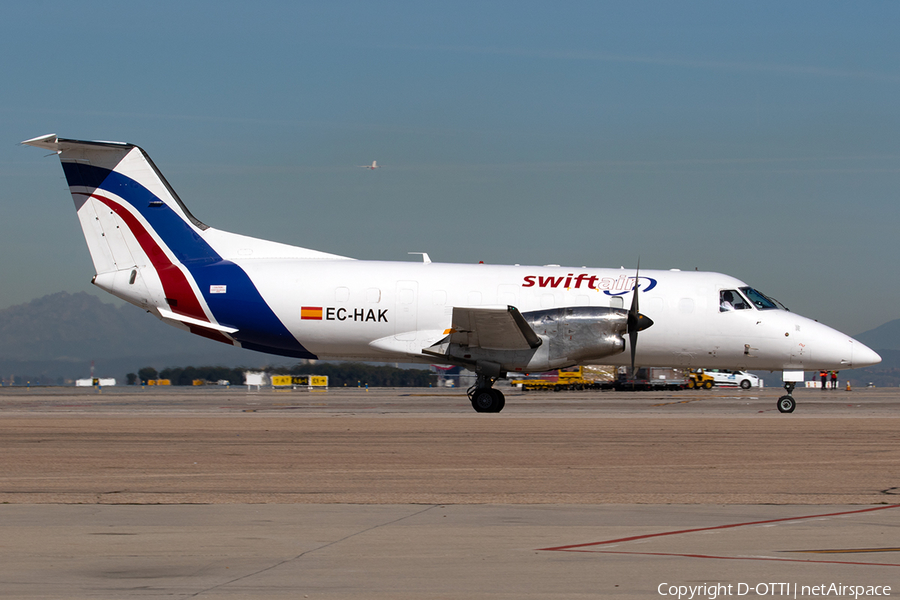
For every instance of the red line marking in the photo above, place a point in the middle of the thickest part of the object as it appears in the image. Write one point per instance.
(829, 562)
(730, 526)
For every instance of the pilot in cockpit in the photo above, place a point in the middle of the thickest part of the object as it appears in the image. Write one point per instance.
(726, 301)
(730, 300)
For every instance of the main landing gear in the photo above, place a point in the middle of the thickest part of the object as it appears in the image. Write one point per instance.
(485, 399)
(786, 403)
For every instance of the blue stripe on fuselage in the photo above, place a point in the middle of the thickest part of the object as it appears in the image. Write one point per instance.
(241, 306)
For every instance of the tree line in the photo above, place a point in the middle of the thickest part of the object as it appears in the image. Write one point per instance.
(339, 374)
(187, 375)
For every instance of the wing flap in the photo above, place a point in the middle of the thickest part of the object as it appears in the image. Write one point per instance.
(492, 328)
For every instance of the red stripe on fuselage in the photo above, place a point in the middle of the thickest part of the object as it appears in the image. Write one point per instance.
(175, 284)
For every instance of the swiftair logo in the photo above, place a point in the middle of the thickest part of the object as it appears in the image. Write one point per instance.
(612, 286)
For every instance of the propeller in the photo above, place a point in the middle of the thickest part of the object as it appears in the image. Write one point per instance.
(636, 321)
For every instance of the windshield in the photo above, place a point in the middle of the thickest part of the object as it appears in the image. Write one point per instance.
(759, 300)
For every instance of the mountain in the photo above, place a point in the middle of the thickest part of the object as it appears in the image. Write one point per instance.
(57, 336)
(883, 337)
(885, 340)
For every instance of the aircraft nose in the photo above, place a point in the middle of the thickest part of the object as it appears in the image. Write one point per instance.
(831, 349)
(862, 356)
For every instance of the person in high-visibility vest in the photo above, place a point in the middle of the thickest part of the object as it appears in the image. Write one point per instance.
(824, 376)
(834, 380)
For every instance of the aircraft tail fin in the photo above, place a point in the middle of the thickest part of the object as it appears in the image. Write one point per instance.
(148, 249)
(115, 184)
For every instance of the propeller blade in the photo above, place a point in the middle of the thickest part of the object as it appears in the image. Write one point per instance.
(634, 316)
(632, 337)
(636, 321)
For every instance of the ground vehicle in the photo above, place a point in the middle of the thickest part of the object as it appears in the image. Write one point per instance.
(648, 379)
(725, 378)
(605, 378)
(573, 378)
(699, 379)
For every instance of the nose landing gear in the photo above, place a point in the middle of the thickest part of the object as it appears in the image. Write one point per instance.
(786, 403)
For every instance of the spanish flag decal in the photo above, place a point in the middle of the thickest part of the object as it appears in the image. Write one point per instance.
(311, 312)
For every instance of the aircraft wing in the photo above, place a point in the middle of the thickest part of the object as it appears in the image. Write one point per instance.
(492, 329)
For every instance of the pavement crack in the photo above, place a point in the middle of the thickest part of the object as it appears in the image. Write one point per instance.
(311, 550)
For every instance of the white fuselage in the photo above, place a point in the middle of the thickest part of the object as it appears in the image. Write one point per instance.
(377, 310)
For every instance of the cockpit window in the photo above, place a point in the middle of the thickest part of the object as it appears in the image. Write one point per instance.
(731, 300)
(759, 300)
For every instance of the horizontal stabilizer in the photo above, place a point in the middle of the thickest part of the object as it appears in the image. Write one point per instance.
(168, 314)
(492, 329)
(57, 144)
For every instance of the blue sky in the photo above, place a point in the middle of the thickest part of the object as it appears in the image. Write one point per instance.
(757, 139)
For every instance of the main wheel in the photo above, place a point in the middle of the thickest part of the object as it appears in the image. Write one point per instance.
(745, 384)
(691, 385)
(708, 385)
(786, 404)
(488, 400)
(501, 400)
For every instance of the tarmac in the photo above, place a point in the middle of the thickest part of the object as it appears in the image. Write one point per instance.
(400, 493)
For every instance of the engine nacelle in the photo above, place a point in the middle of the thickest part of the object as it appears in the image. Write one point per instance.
(568, 336)
(577, 334)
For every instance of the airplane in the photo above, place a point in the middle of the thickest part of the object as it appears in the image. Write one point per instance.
(371, 167)
(148, 249)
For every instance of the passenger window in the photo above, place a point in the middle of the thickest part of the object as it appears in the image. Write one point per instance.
(731, 300)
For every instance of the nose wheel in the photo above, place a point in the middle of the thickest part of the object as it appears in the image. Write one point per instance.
(786, 403)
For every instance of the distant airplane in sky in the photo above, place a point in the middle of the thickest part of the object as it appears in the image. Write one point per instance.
(372, 167)
(148, 249)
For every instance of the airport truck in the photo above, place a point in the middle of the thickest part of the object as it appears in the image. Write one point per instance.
(646, 379)
(574, 378)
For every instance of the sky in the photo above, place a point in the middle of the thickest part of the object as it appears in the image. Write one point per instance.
(758, 139)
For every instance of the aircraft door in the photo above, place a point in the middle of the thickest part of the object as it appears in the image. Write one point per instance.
(405, 312)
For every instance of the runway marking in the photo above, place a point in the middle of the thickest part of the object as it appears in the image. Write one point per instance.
(584, 547)
(768, 558)
(845, 550)
(679, 402)
(435, 395)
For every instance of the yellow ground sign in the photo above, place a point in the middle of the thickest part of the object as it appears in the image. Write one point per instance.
(310, 380)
